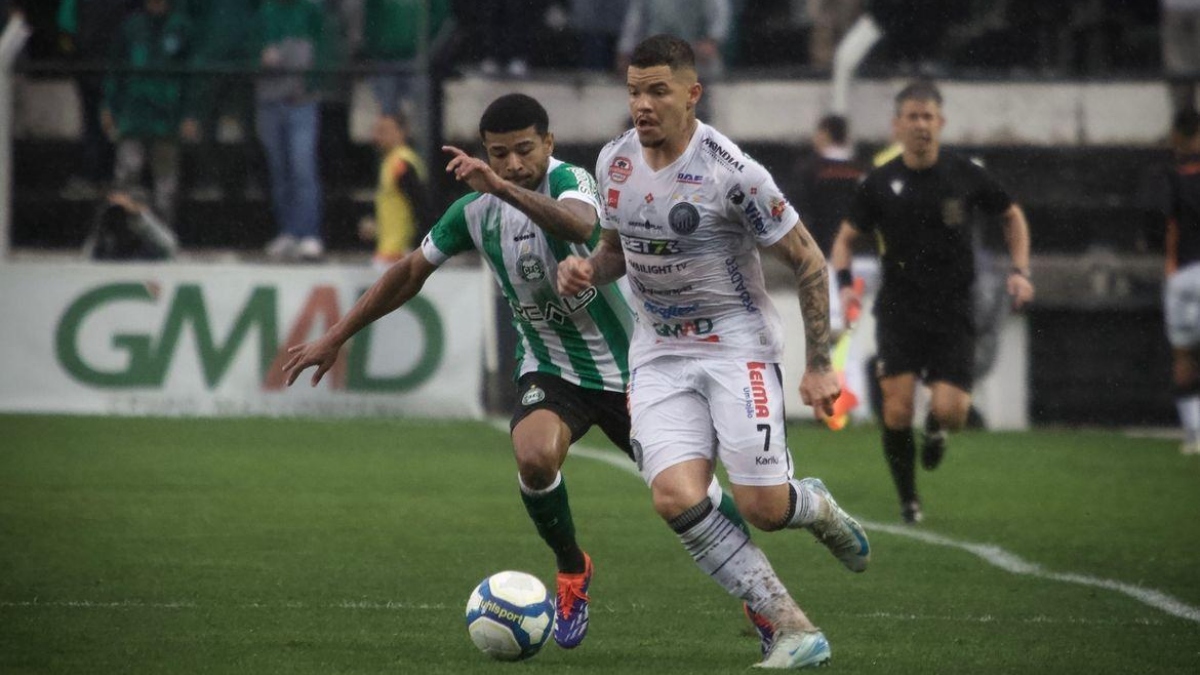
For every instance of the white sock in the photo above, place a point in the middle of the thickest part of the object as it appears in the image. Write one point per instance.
(546, 490)
(1189, 417)
(727, 555)
(805, 505)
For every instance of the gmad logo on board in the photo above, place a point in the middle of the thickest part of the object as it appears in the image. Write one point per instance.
(150, 349)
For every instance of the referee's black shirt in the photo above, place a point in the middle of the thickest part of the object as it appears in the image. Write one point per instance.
(921, 219)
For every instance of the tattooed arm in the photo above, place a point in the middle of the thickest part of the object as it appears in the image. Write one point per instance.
(819, 387)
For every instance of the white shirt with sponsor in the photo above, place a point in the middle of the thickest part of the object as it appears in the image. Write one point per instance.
(691, 233)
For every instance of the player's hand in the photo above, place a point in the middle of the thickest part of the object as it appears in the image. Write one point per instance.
(319, 353)
(473, 171)
(1020, 288)
(819, 388)
(574, 275)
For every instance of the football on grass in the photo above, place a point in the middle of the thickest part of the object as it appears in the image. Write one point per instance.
(510, 616)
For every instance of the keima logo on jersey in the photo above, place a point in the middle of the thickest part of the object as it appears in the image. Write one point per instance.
(690, 178)
(614, 198)
(757, 401)
(620, 169)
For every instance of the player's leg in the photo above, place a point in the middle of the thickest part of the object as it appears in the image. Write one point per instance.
(950, 375)
(899, 445)
(543, 426)
(1181, 307)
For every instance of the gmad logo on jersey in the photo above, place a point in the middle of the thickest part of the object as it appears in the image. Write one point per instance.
(149, 346)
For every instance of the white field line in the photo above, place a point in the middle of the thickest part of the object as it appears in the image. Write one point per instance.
(598, 608)
(991, 554)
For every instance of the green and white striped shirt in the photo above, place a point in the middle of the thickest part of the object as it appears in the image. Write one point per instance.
(584, 338)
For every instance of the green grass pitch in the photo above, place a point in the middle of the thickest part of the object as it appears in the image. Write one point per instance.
(316, 546)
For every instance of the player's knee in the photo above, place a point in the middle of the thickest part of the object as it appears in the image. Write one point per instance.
(897, 414)
(671, 501)
(951, 415)
(538, 466)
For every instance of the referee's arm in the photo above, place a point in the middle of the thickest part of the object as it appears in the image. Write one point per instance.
(840, 256)
(1016, 235)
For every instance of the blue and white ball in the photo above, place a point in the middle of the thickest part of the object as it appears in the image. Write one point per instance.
(510, 616)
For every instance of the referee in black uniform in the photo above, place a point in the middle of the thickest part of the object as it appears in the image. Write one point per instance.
(918, 206)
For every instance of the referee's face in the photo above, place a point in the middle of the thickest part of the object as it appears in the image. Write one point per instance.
(661, 103)
(918, 126)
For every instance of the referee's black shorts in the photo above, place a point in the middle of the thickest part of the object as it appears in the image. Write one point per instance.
(944, 354)
(580, 408)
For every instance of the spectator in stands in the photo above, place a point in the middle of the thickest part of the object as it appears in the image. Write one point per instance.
(831, 19)
(704, 25)
(1182, 268)
(598, 26)
(391, 39)
(86, 29)
(1181, 49)
(826, 180)
(143, 112)
(288, 125)
(126, 228)
(504, 31)
(402, 204)
(219, 109)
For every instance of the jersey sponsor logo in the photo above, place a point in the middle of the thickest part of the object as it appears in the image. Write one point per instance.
(649, 198)
(690, 178)
(738, 281)
(736, 195)
(699, 327)
(584, 182)
(683, 218)
(523, 237)
(642, 224)
(722, 155)
(777, 206)
(756, 398)
(662, 291)
(755, 217)
(620, 169)
(557, 311)
(534, 394)
(650, 246)
(669, 311)
(954, 213)
(614, 198)
(530, 267)
(655, 269)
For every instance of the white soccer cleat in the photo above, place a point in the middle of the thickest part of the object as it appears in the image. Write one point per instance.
(1190, 448)
(797, 650)
(840, 533)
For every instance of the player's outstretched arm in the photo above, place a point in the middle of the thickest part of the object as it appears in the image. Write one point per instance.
(399, 284)
(605, 265)
(819, 385)
(568, 219)
(1016, 235)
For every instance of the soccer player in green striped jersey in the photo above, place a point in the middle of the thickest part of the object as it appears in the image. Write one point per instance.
(527, 211)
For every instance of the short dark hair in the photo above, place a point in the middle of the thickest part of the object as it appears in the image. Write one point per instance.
(663, 50)
(918, 90)
(1186, 123)
(837, 127)
(514, 112)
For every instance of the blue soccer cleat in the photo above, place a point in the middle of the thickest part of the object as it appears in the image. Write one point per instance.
(840, 533)
(571, 606)
(797, 650)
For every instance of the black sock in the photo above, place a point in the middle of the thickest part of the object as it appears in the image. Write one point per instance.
(931, 425)
(900, 452)
(551, 513)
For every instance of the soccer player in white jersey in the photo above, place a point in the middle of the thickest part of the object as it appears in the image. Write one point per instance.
(528, 211)
(685, 214)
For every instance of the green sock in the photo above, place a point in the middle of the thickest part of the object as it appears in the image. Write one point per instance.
(730, 511)
(550, 512)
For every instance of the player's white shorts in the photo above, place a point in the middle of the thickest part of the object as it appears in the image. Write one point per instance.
(686, 408)
(1181, 301)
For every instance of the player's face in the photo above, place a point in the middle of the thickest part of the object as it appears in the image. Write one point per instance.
(918, 126)
(661, 103)
(520, 156)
